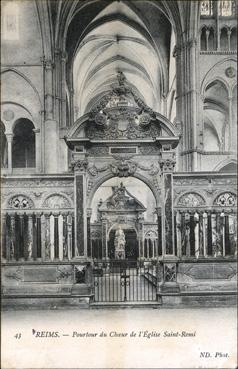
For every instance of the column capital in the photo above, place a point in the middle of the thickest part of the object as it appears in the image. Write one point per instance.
(89, 212)
(79, 165)
(9, 137)
(47, 63)
(167, 165)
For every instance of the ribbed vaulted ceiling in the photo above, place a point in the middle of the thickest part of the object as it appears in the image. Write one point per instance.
(117, 39)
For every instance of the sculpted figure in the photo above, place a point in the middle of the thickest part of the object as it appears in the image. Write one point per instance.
(119, 243)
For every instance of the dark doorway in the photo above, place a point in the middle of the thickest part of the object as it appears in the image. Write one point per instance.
(23, 146)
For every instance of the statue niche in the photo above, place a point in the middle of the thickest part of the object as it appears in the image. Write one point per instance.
(119, 243)
(120, 217)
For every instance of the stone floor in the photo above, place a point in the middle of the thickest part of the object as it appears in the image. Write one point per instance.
(120, 338)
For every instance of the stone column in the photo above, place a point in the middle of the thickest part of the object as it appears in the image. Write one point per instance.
(209, 234)
(38, 235)
(89, 213)
(29, 237)
(229, 39)
(167, 167)
(69, 236)
(43, 224)
(170, 264)
(232, 134)
(205, 240)
(227, 236)
(104, 238)
(8, 238)
(65, 243)
(179, 234)
(37, 149)
(47, 237)
(80, 167)
(201, 235)
(63, 90)
(140, 235)
(56, 235)
(50, 136)
(13, 238)
(187, 234)
(187, 100)
(219, 235)
(3, 237)
(159, 220)
(21, 240)
(9, 137)
(223, 233)
(196, 234)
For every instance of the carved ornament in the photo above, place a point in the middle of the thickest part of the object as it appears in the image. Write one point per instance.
(79, 165)
(123, 168)
(170, 272)
(167, 165)
(121, 200)
(191, 200)
(20, 202)
(226, 199)
(230, 72)
(56, 202)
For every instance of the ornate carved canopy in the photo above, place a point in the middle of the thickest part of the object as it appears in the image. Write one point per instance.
(123, 117)
(121, 201)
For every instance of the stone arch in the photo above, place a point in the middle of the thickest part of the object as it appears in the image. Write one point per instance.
(223, 164)
(19, 90)
(22, 75)
(57, 201)
(219, 80)
(214, 73)
(12, 111)
(190, 199)
(108, 176)
(151, 233)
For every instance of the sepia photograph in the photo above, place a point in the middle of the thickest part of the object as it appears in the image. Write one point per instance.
(118, 184)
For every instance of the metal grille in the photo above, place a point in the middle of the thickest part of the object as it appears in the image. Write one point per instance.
(124, 280)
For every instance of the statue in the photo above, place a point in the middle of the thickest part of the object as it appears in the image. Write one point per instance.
(119, 243)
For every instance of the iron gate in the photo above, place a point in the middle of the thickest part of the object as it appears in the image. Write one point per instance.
(124, 280)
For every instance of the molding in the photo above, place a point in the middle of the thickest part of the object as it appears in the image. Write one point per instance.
(202, 152)
(218, 52)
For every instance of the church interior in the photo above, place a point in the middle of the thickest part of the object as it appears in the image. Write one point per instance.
(119, 152)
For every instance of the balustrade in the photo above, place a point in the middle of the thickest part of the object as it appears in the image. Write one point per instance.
(38, 236)
(208, 233)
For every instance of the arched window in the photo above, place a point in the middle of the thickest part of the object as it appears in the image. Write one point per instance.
(23, 147)
(224, 39)
(211, 39)
(233, 39)
(203, 42)
(3, 144)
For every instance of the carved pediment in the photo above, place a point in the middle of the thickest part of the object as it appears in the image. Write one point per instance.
(122, 114)
(121, 200)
